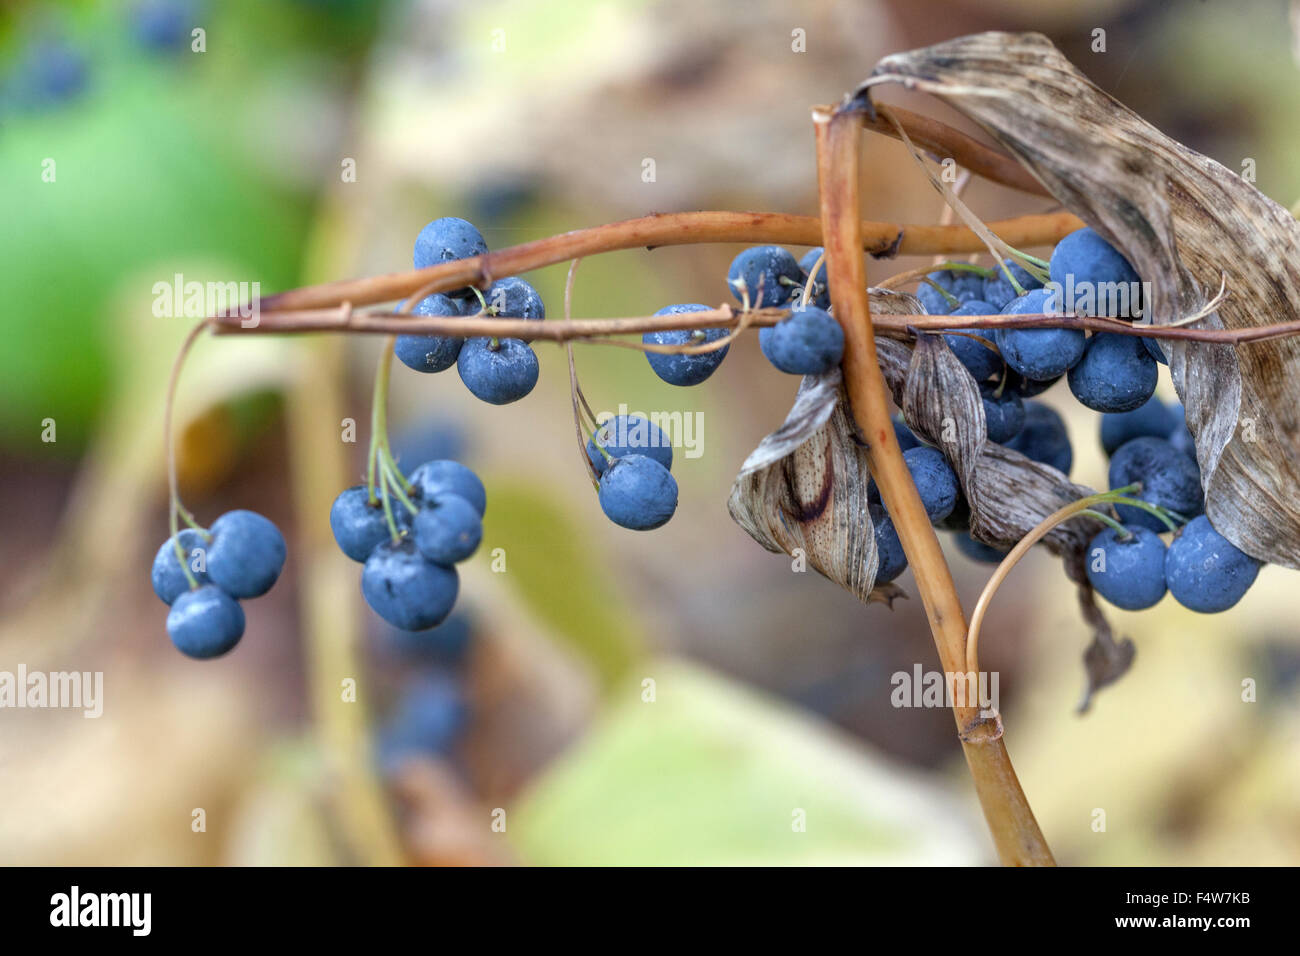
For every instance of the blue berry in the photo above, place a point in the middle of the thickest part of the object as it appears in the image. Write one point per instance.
(980, 360)
(935, 480)
(448, 643)
(685, 369)
(964, 285)
(514, 298)
(1128, 570)
(999, 292)
(446, 240)
(447, 529)
(809, 342)
(906, 438)
(1090, 265)
(1044, 438)
(1169, 479)
(51, 73)
(429, 436)
(405, 588)
(169, 581)
(768, 274)
(1152, 419)
(629, 435)
(430, 353)
(429, 715)
(498, 374)
(358, 525)
(821, 293)
(205, 623)
(1004, 414)
(637, 492)
(164, 25)
(1115, 374)
(446, 477)
(977, 550)
(1205, 571)
(246, 553)
(1039, 354)
(891, 561)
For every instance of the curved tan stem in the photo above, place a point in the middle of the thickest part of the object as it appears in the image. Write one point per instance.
(1011, 822)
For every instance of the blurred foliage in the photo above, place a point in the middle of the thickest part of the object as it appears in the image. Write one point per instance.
(553, 569)
(709, 773)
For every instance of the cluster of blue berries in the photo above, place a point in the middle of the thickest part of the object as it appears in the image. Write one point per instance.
(1131, 567)
(1148, 442)
(1106, 372)
(633, 458)
(410, 548)
(496, 370)
(202, 574)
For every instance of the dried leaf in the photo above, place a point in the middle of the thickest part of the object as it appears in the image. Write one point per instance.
(1184, 221)
(805, 487)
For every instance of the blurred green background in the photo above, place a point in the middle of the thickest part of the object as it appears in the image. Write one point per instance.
(616, 698)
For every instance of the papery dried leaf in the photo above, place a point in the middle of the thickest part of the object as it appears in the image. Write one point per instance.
(805, 487)
(1183, 220)
(1009, 495)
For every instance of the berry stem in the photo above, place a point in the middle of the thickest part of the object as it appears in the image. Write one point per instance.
(576, 398)
(1011, 822)
(175, 507)
(1073, 510)
(1164, 514)
(595, 330)
(1123, 532)
(379, 413)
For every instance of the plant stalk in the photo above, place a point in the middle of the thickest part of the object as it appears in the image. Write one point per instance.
(1011, 822)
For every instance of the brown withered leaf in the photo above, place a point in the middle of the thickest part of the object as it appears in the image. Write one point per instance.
(805, 488)
(1008, 494)
(1184, 221)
